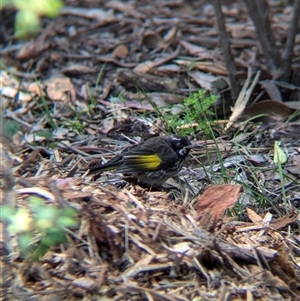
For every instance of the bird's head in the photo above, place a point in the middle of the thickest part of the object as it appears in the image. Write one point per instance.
(182, 145)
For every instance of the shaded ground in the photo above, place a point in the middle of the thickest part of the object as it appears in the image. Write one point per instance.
(88, 86)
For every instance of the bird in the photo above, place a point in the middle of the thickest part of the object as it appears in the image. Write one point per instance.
(152, 162)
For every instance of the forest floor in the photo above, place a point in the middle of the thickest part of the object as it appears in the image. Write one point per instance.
(102, 77)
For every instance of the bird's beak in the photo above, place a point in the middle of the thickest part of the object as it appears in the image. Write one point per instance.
(195, 146)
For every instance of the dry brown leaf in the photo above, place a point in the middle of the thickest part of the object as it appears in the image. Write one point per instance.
(215, 200)
(208, 81)
(293, 104)
(271, 89)
(274, 111)
(144, 67)
(285, 221)
(148, 65)
(253, 216)
(78, 69)
(170, 35)
(59, 87)
(256, 158)
(205, 66)
(243, 97)
(195, 49)
(169, 68)
(101, 15)
(147, 82)
(152, 40)
(239, 31)
(32, 49)
(110, 59)
(121, 51)
(35, 88)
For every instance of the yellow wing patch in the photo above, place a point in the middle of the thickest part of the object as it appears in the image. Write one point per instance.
(149, 162)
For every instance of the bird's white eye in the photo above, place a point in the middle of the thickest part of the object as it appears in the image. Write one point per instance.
(179, 144)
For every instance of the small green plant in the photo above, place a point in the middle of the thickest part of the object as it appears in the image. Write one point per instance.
(44, 134)
(197, 114)
(280, 158)
(100, 75)
(47, 112)
(39, 226)
(92, 105)
(76, 125)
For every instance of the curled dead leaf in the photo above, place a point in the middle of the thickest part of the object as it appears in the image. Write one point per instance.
(271, 109)
(208, 81)
(59, 87)
(121, 51)
(194, 49)
(254, 217)
(144, 67)
(32, 49)
(152, 40)
(36, 88)
(213, 203)
(272, 90)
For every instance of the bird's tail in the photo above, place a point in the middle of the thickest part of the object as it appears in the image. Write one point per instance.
(110, 165)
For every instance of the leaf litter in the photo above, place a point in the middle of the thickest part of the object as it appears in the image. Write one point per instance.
(134, 244)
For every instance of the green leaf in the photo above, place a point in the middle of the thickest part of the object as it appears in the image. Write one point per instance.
(44, 134)
(11, 127)
(191, 66)
(6, 212)
(279, 154)
(35, 202)
(51, 8)
(24, 241)
(20, 221)
(26, 22)
(67, 221)
(53, 237)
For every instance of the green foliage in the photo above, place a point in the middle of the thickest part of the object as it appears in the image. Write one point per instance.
(100, 75)
(44, 134)
(29, 13)
(280, 158)
(197, 110)
(92, 105)
(11, 127)
(48, 113)
(39, 226)
(76, 125)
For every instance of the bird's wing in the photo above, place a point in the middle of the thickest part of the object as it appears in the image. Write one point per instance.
(139, 159)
